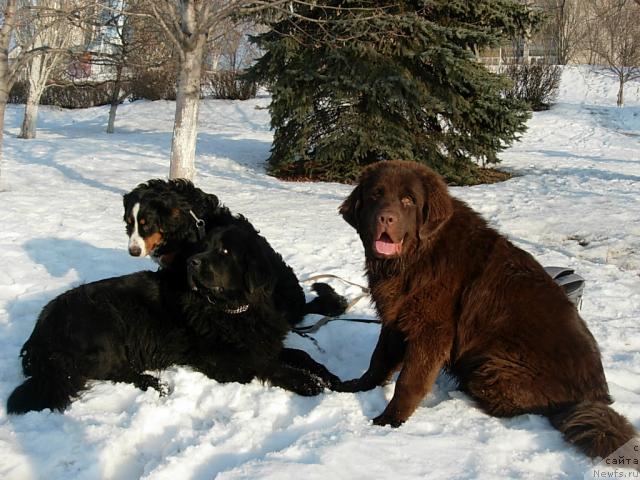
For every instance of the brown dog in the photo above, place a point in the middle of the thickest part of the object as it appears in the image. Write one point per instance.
(452, 292)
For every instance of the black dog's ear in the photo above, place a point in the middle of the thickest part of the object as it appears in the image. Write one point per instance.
(175, 222)
(350, 208)
(127, 200)
(211, 201)
(259, 272)
(438, 205)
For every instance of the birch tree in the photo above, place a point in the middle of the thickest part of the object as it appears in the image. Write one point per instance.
(47, 31)
(614, 39)
(189, 24)
(566, 27)
(123, 42)
(16, 52)
(119, 46)
(10, 63)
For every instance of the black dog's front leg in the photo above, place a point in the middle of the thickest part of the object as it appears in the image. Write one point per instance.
(294, 379)
(302, 360)
(386, 359)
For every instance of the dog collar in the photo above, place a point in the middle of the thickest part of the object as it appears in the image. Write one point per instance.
(231, 311)
(199, 225)
(236, 311)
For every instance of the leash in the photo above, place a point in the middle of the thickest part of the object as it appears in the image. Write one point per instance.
(566, 278)
(306, 331)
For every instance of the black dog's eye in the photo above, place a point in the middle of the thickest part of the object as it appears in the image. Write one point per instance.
(408, 200)
(224, 251)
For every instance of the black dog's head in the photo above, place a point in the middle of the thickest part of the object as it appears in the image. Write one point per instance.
(234, 270)
(396, 206)
(162, 215)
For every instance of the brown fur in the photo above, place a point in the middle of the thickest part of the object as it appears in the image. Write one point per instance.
(152, 241)
(452, 292)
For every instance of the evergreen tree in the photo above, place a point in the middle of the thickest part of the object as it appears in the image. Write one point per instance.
(353, 82)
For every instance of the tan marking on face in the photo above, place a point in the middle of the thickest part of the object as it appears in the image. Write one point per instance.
(152, 241)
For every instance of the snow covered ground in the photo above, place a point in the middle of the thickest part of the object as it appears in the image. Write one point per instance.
(575, 202)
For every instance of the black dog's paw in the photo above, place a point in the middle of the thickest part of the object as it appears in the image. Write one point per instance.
(331, 381)
(385, 419)
(316, 385)
(326, 379)
(163, 389)
(146, 381)
(312, 386)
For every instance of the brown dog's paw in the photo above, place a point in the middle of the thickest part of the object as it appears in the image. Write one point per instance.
(384, 419)
(356, 385)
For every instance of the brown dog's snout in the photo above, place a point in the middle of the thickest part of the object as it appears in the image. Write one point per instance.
(387, 217)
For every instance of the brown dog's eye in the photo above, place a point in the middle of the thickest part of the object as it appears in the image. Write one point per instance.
(408, 200)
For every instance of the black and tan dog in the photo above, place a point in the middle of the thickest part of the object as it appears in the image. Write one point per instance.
(216, 313)
(165, 218)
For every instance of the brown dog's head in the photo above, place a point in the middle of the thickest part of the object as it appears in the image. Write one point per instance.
(396, 206)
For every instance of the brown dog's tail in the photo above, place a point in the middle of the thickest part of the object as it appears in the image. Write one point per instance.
(594, 427)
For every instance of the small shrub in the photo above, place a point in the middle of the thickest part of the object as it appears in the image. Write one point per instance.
(229, 85)
(537, 83)
(71, 95)
(154, 85)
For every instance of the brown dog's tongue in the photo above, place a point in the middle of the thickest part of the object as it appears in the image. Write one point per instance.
(385, 246)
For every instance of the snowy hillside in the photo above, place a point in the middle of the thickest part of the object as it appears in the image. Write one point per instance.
(575, 202)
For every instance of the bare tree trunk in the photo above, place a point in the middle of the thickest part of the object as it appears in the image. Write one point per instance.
(112, 113)
(620, 101)
(3, 106)
(35, 87)
(5, 73)
(28, 129)
(38, 72)
(183, 144)
(115, 100)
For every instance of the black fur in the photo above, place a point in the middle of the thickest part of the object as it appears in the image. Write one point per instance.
(118, 328)
(166, 207)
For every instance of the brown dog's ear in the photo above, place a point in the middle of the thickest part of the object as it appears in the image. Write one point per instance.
(438, 205)
(350, 208)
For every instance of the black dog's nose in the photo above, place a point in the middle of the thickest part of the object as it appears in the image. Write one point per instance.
(135, 250)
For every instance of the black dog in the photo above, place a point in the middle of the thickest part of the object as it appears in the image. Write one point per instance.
(219, 316)
(165, 218)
